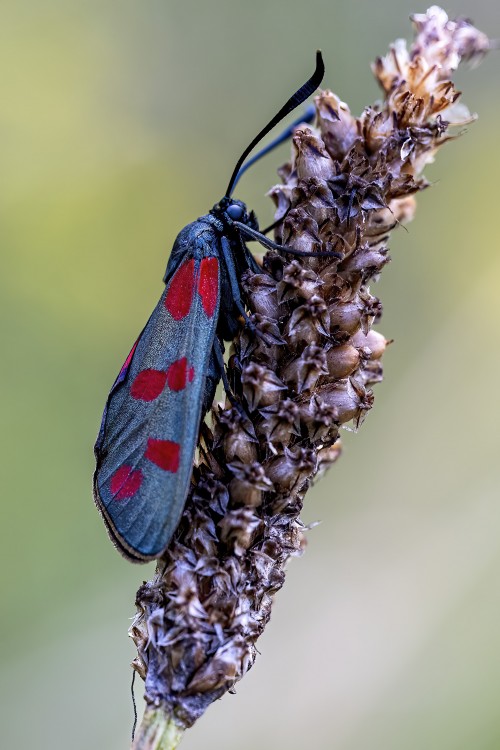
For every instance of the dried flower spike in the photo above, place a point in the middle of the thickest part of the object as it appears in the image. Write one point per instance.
(351, 181)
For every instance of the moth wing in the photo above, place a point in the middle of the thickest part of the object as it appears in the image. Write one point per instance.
(150, 426)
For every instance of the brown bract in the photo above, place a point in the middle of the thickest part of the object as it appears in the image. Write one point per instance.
(304, 370)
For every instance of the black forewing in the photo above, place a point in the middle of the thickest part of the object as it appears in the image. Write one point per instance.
(142, 479)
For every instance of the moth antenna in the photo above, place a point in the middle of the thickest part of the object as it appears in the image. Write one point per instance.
(307, 116)
(296, 100)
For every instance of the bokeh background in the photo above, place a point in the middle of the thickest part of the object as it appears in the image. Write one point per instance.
(121, 122)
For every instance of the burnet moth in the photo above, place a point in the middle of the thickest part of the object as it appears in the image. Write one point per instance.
(149, 430)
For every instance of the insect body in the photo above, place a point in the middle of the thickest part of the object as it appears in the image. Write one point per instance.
(149, 430)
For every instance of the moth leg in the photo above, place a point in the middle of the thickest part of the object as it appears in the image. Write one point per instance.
(252, 263)
(219, 357)
(275, 223)
(233, 281)
(214, 372)
(235, 287)
(266, 242)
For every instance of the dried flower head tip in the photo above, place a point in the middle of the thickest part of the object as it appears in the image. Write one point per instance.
(299, 372)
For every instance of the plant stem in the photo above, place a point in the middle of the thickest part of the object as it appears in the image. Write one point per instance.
(158, 731)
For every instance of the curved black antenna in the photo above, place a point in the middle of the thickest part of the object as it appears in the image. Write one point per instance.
(308, 116)
(294, 101)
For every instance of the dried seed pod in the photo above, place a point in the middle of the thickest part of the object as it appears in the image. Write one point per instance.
(311, 159)
(300, 231)
(298, 281)
(261, 387)
(302, 373)
(238, 528)
(339, 129)
(289, 471)
(346, 316)
(265, 329)
(320, 419)
(237, 435)
(201, 532)
(223, 669)
(373, 342)
(371, 372)
(356, 190)
(308, 322)
(341, 361)
(261, 290)
(334, 287)
(372, 311)
(279, 422)
(368, 261)
(248, 483)
(315, 197)
(281, 196)
(210, 492)
(349, 398)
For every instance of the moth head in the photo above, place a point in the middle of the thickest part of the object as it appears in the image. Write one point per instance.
(230, 209)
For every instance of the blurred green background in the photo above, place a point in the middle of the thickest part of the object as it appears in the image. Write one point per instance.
(120, 123)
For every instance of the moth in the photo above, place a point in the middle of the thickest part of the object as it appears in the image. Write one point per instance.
(149, 431)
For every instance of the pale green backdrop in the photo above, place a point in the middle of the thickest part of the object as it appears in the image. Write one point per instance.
(120, 122)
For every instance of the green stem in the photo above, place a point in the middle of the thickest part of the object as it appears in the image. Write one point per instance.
(158, 731)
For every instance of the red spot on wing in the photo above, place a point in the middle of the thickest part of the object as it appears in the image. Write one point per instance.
(163, 453)
(180, 292)
(178, 374)
(129, 359)
(148, 384)
(208, 284)
(125, 482)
